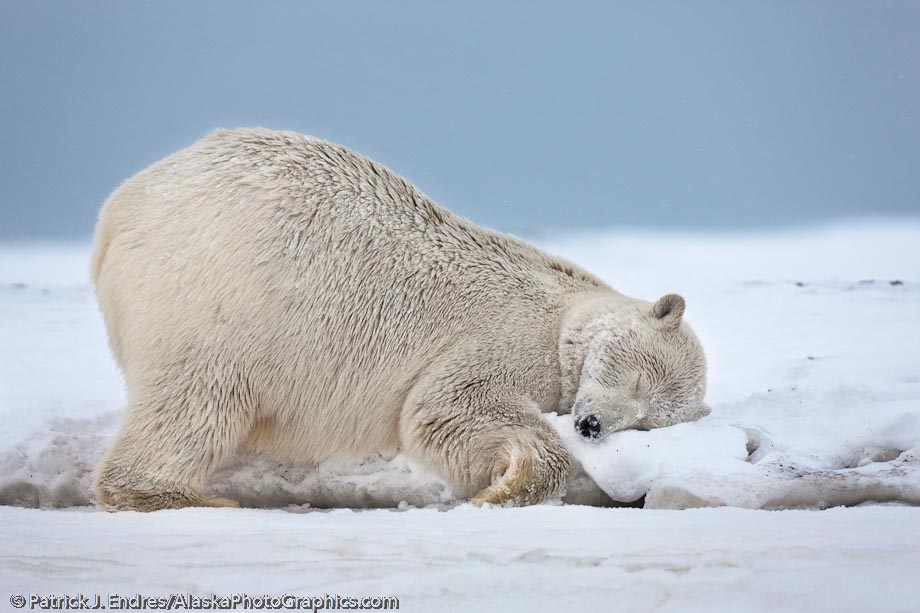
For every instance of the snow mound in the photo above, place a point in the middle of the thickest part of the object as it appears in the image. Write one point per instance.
(627, 464)
(713, 464)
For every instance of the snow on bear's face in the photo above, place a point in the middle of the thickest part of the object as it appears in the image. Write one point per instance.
(645, 371)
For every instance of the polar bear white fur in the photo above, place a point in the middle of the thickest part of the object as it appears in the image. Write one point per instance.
(273, 291)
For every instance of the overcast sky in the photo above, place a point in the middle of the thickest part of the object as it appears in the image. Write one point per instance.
(527, 117)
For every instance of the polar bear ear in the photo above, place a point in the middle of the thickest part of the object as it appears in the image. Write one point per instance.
(669, 309)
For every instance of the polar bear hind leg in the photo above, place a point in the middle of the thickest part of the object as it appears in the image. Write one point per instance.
(168, 444)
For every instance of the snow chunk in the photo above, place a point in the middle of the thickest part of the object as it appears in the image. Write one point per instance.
(626, 464)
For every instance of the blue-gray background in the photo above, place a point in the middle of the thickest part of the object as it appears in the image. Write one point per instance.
(527, 117)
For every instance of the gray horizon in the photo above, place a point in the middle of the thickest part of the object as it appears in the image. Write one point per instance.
(525, 117)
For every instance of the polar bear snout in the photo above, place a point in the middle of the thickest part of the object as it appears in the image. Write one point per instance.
(589, 427)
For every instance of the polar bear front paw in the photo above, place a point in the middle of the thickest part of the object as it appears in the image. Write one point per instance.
(527, 475)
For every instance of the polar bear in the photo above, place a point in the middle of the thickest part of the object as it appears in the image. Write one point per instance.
(275, 292)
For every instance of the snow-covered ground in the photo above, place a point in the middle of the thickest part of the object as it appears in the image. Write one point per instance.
(813, 340)
(548, 558)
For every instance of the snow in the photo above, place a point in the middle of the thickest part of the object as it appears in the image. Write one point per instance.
(812, 368)
(814, 382)
(539, 558)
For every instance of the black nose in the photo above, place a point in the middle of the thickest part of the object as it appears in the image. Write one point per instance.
(588, 427)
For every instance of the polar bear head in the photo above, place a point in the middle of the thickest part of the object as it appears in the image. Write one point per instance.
(643, 368)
